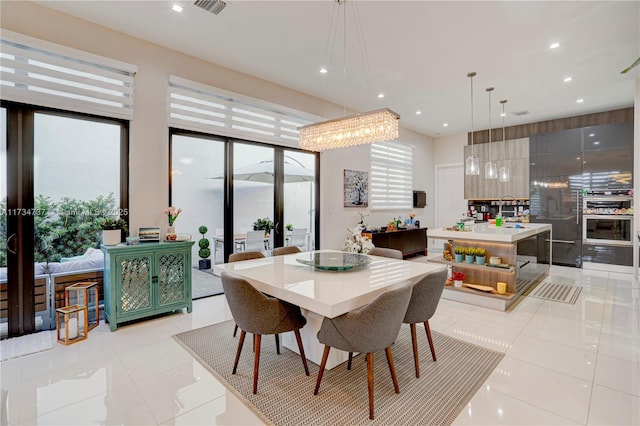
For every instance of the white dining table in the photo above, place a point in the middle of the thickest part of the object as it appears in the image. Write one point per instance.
(323, 293)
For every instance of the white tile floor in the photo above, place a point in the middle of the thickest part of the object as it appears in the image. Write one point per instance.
(564, 364)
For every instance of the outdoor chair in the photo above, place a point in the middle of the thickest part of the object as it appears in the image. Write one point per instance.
(425, 297)
(260, 314)
(368, 329)
(254, 241)
(299, 238)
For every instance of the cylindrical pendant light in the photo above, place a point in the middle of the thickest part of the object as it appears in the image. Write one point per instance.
(505, 173)
(490, 169)
(472, 167)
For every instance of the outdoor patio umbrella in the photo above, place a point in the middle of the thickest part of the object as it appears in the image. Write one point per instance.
(264, 170)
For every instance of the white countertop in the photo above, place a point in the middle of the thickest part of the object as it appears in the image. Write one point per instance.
(328, 293)
(507, 233)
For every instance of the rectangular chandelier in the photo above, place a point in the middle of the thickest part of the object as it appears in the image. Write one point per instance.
(359, 129)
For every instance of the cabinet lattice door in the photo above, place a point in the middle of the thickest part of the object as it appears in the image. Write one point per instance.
(171, 278)
(135, 286)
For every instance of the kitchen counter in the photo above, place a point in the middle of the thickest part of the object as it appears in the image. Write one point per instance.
(507, 233)
(524, 252)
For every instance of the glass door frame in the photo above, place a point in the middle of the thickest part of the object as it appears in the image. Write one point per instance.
(228, 197)
(20, 139)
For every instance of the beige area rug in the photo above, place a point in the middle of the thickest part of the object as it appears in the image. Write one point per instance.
(24, 345)
(285, 394)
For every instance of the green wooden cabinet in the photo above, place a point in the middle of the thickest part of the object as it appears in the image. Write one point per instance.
(145, 280)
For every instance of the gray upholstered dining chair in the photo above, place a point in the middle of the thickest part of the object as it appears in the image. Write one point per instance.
(368, 329)
(248, 255)
(260, 314)
(385, 252)
(245, 255)
(280, 251)
(425, 297)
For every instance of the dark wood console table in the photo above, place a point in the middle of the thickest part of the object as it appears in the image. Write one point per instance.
(408, 241)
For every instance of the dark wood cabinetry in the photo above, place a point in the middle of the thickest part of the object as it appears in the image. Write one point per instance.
(408, 241)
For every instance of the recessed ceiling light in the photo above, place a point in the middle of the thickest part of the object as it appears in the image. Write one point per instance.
(596, 143)
(567, 79)
(503, 114)
(323, 70)
(418, 112)
(380, 95)
(177, 8)
(579, 101)
(445, 125)
(554, 45)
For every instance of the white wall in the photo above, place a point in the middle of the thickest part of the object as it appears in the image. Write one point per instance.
(148, 151)
(335, 218)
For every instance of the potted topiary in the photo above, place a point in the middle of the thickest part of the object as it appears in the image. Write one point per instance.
(205, 251)
(112, 231)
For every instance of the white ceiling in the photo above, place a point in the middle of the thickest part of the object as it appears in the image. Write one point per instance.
(417, 53)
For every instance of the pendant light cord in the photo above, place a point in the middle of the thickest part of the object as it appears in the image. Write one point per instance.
(490, 89)
(471, 75)
(344, 58)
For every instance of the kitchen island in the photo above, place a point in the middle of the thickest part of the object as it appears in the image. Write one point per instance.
(521, 257)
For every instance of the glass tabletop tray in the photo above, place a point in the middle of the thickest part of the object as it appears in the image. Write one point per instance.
(334, 261)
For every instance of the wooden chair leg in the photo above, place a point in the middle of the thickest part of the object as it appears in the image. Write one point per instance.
(370, 382)
(428, 330)
(301, 349)
(414, 341)
(256, 363)
(392, 369)
(323, 363)
(240, 343)
(235, 330)
(277, 343)
(349, 362)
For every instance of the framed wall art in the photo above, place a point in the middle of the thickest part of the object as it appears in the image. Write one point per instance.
(356, 188)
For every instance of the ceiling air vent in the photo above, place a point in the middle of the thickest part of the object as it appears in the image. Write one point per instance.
(519, 113)
(212, 6)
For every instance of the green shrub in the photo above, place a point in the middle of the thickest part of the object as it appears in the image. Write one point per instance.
(63, 228)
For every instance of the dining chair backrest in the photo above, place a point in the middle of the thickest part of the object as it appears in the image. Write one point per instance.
(425, 297)
(299, 238)
(245, 255)
(385, 252)
(279, 251)
(254, 241)
(370, 328)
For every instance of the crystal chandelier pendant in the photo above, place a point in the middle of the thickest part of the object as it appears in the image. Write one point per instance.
(490, 170)
(472, 167)
(505, 174)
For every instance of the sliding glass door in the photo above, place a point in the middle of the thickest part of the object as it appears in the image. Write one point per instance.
(235, 187)
(62, 175)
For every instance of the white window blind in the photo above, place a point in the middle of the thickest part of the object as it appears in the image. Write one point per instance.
(195, 106)
(41, 73)
(391, 176)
